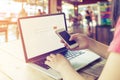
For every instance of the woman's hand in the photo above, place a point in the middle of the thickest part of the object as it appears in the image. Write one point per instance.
(81, 39)
(57, 62)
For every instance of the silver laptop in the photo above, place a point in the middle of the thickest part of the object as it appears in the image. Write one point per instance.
(39, 40)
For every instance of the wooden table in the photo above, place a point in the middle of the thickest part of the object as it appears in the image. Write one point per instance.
(4, 28)
(4, 24)
(13, 66)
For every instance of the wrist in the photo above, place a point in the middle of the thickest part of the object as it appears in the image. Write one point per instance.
(66, 70)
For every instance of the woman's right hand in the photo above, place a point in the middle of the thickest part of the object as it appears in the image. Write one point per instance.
(81, 39)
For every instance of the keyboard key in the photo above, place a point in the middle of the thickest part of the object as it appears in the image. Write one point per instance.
(72, 54)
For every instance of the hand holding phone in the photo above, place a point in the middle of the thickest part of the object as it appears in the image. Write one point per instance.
(65, 36)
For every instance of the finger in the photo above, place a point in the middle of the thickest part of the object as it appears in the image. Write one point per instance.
(68, 47)
(77, 48)
(74, 36)
(47, 63)
(65, 45)
(52, 55)
(62, 41)
(59, 55)
(49, 58)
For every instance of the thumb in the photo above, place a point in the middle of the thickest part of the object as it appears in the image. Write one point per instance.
(73, 37)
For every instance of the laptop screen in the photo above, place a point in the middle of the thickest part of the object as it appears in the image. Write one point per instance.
(38, 33)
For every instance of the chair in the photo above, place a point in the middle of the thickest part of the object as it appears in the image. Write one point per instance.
(4, 28)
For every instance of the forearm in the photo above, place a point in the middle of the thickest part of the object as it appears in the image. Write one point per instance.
(111, 70)
(99, 48)
(71, 74)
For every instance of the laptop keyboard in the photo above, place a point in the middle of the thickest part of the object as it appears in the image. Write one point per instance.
(72, 54)
(69, 55)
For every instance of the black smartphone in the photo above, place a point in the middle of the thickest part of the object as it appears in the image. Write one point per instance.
(65, 36)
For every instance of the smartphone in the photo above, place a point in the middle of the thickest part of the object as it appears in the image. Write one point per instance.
(65, 36)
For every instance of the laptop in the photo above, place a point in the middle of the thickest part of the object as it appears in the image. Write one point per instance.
(39, 40)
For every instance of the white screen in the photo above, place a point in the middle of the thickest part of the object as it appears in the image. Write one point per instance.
(39, 34)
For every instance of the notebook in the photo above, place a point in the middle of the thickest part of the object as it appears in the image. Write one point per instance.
(39, 40)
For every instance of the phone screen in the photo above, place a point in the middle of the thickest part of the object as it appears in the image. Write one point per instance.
(66, 37)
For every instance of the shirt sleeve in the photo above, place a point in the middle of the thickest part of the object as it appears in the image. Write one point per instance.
(115, 44)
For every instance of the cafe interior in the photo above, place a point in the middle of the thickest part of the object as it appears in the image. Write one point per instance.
(11, 10)
(99, 28)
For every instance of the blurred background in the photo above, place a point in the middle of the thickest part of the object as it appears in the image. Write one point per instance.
(75, 11)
